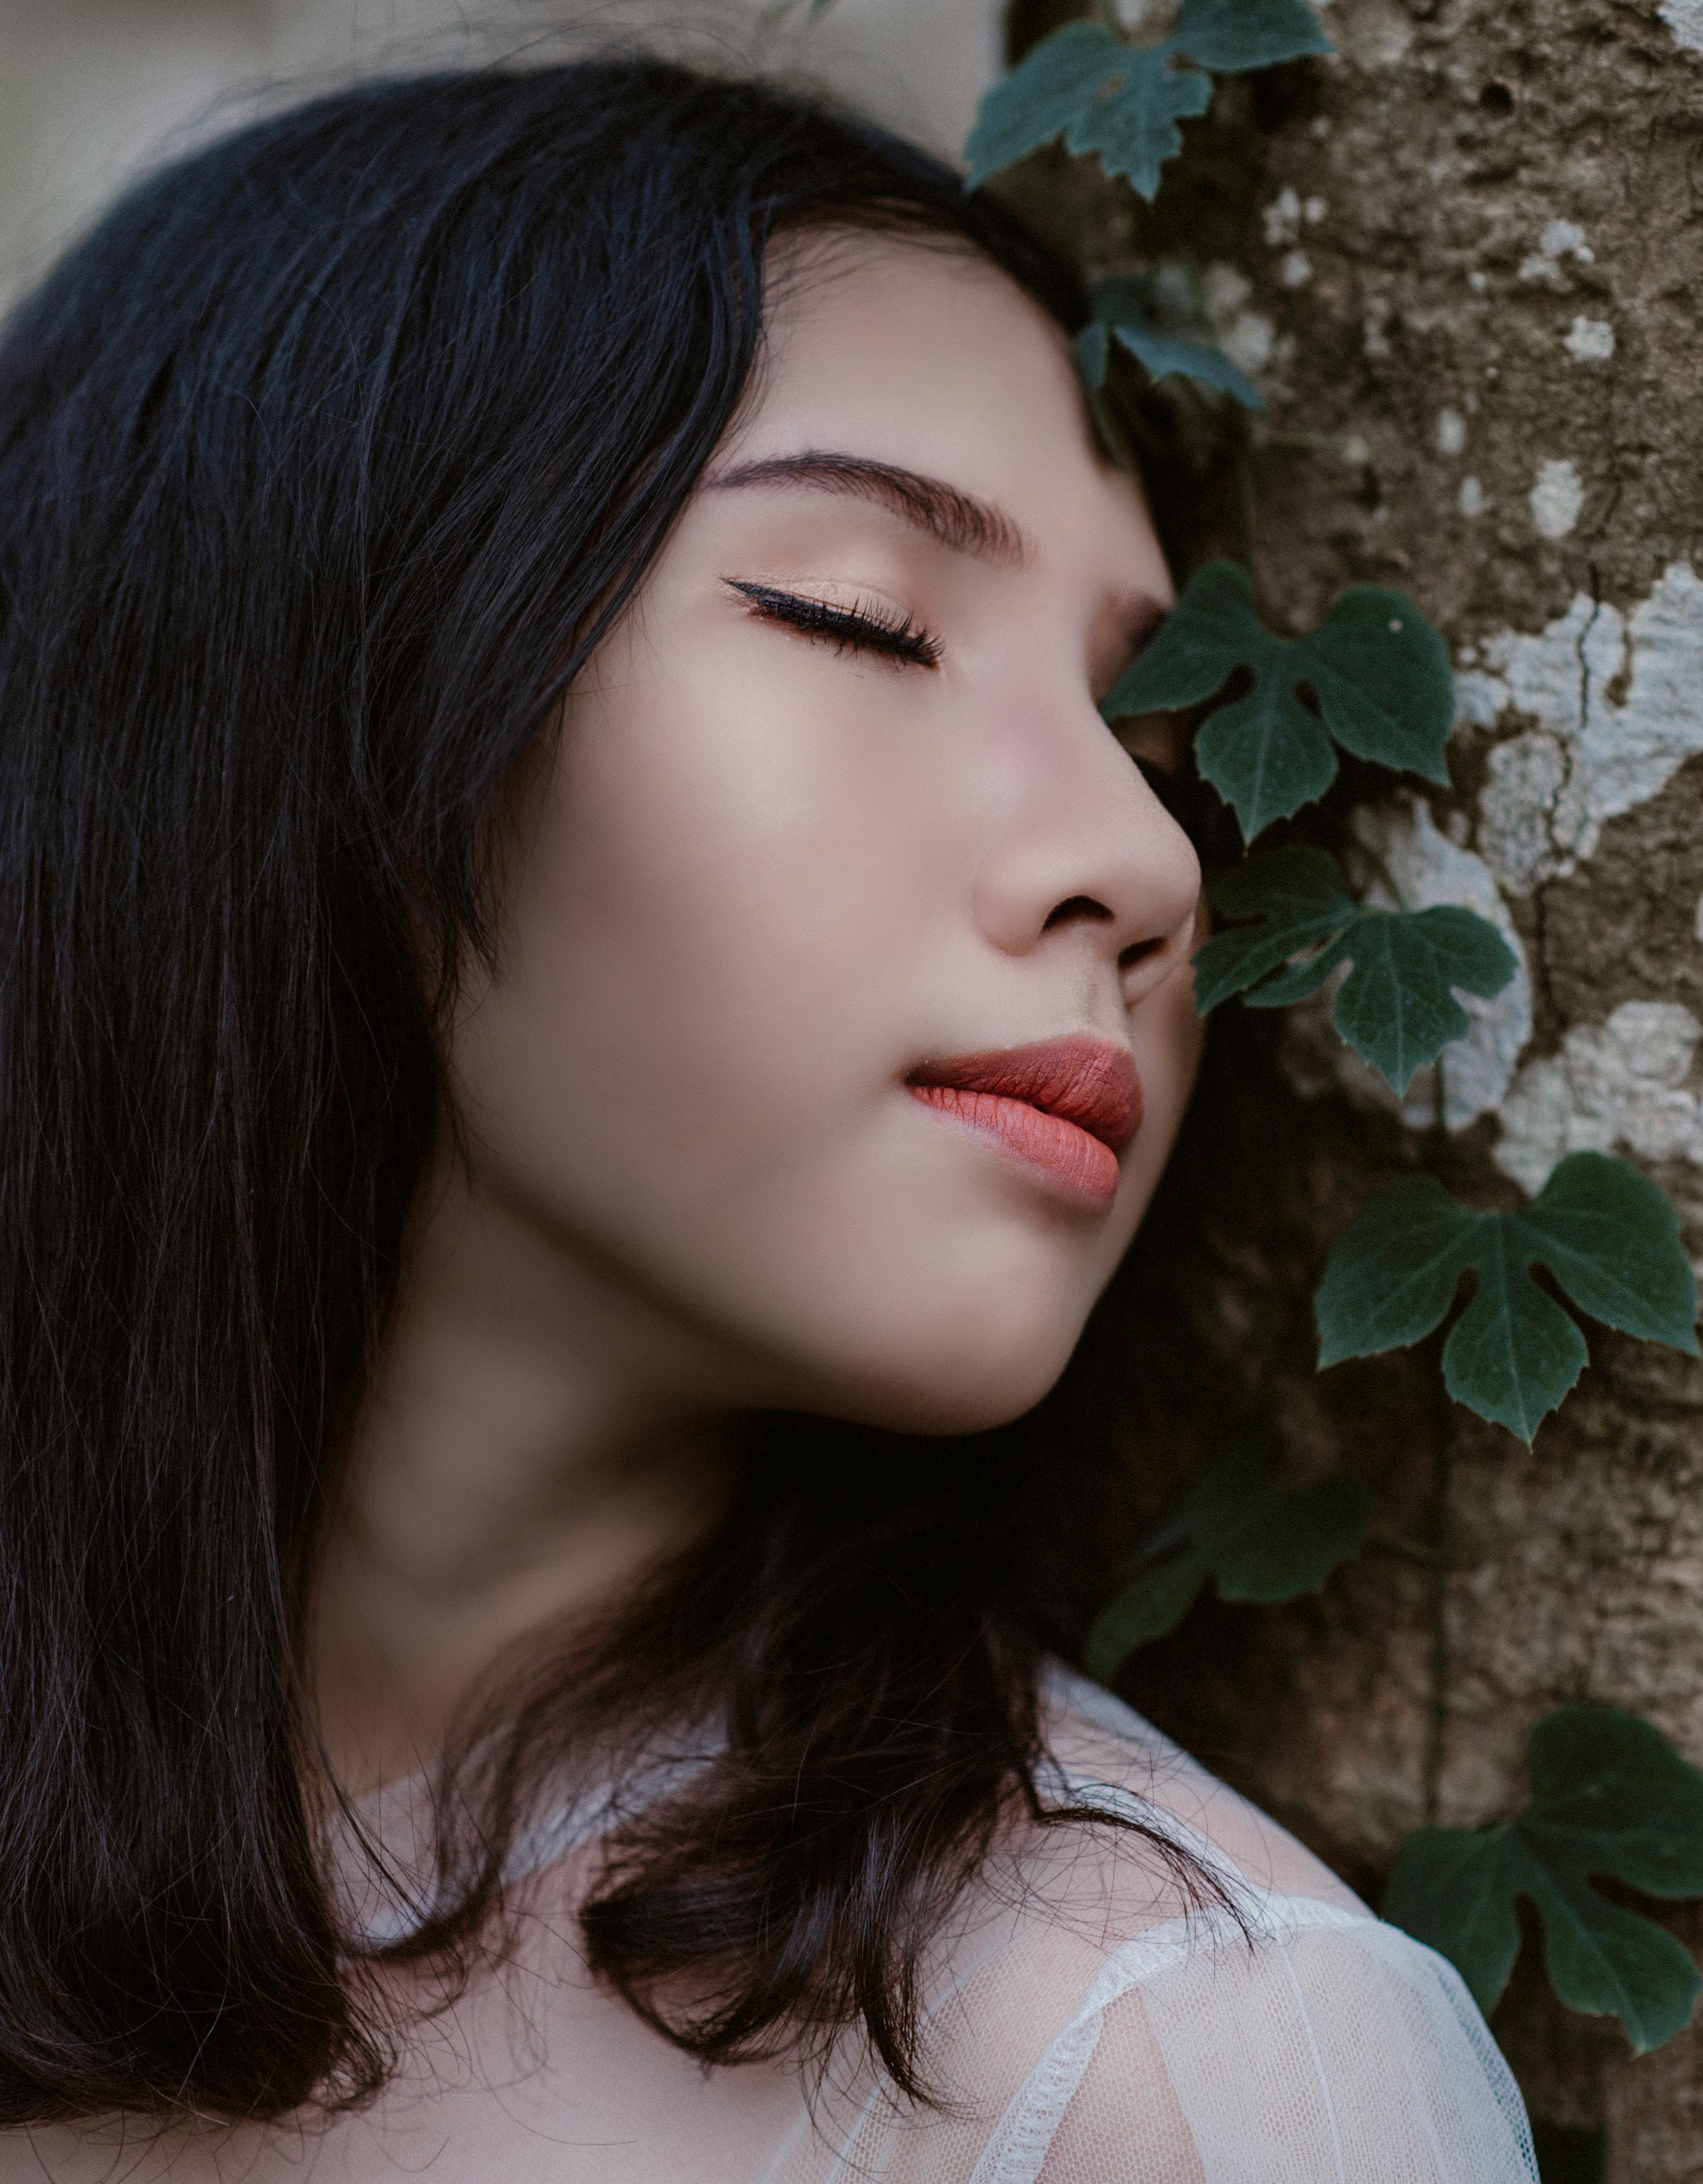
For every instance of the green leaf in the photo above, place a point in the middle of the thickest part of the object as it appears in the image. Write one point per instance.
(1231, 35)
(1612, 1240)
(1162, 355)
(1122, 101)
(1149, 1607)
(1133, 127)
(1266, 756)
(1607, 1236)
(1376, 669)
(1301, 899)
(1393, 1271)
(1514, 1355)
(1056, 88)
(1211, 630)
(1126, 307)
(1258, 1540)
(1397, 1007)
(1383, 681)
(1454, 1891)
(1609, 1795)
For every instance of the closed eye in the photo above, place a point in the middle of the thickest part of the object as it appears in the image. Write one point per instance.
(861, 628)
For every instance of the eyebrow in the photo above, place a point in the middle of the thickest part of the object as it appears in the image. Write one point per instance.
(957, 519)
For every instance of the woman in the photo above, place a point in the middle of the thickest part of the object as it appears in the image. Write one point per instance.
(591, 1007)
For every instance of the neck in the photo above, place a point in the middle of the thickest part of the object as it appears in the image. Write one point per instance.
(532, 1444)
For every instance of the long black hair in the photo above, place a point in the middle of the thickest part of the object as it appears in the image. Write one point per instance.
(325, 463)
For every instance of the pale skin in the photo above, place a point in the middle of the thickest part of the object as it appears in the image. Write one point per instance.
(760, 874)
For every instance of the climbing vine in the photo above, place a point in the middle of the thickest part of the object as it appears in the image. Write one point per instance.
(1608, 1795)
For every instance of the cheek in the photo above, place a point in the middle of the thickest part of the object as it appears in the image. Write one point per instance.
(718, 905)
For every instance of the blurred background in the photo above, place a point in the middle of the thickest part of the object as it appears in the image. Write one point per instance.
(92, 92)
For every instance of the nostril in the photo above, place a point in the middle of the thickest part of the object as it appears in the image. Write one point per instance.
(1137, 952)
(1074, 907)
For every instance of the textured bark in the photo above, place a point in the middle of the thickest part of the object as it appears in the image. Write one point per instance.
(1470, 248)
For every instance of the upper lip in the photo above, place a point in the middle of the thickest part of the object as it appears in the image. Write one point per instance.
(1084, 1080)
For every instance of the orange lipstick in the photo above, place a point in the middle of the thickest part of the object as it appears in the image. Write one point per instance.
(1063, 1107)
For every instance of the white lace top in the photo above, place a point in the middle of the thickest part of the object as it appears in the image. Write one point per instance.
(1085, 2027)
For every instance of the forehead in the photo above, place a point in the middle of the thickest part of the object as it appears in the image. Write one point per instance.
(926, 355)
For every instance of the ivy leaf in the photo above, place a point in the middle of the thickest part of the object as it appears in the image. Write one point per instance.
(1231, 35)
(1125, 309)
(1101, 95)
(1162, 355)
(1607, 1236)
(1260, 1542)
(1133, 125)
(1609, 1795)
(1378, 671)
(1397, 1007)
(1122, 101)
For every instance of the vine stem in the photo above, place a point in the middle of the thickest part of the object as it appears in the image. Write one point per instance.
(1439, 1663)
(1247, 511)
(1441, 1529)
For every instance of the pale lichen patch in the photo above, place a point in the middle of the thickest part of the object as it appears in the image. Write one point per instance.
(1283, 217)
(1684, 18)
(1565, 237)
(1621, 1086)
(1589, 340)
(1247, 337)
(1249, 340)
(1377, 35)
(1557, 499)
(1561, 238)
(1224, 289)
(1452, 432)
(1552, 788)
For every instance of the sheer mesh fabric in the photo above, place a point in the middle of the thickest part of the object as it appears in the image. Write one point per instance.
(1296, 2041)
(1085, 2025)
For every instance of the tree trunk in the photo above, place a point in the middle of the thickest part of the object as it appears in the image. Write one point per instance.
(1464, 260)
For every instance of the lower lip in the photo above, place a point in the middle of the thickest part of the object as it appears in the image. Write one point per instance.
(1078, 1164)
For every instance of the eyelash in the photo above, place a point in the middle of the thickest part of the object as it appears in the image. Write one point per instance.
(852, 629)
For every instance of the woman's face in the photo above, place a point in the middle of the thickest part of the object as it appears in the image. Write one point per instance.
(833, 807)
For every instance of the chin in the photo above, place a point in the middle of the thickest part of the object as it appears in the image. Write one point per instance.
(964, 1388)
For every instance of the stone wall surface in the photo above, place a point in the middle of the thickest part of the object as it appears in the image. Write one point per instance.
(1464, 261)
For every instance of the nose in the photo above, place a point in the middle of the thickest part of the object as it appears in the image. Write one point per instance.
(1084, 857)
